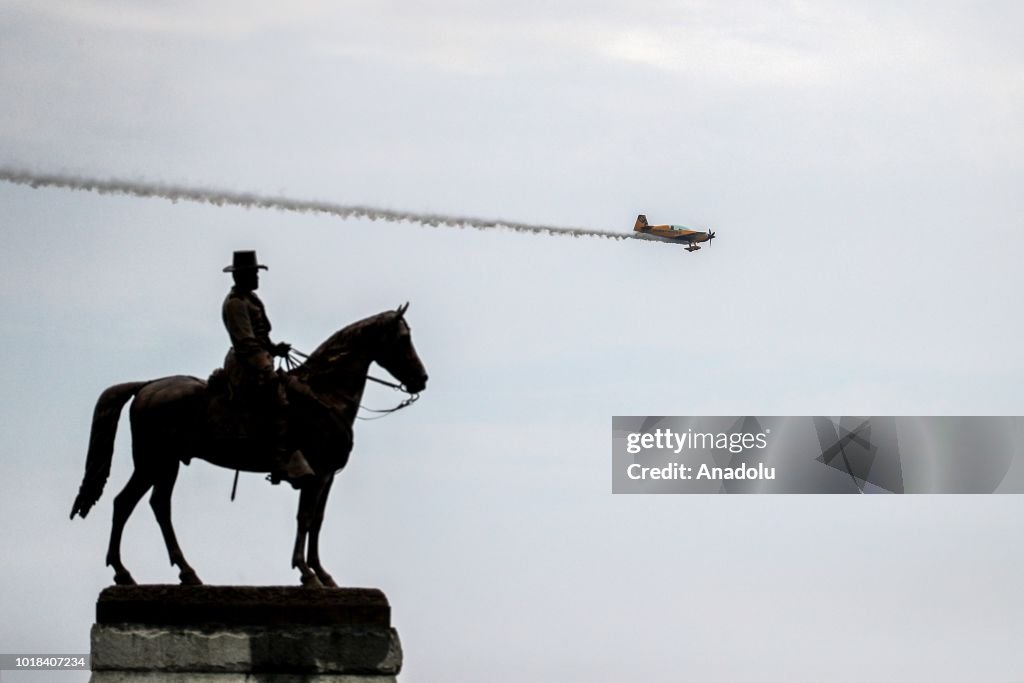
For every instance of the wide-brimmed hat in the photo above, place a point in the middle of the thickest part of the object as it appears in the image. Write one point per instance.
(244, 260)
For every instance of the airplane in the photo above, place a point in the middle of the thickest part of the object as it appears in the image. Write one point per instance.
(671, 233)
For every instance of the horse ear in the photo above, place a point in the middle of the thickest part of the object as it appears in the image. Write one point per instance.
(402, 309)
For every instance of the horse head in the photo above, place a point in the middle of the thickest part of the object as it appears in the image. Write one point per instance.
(384, 338)
(396, 353)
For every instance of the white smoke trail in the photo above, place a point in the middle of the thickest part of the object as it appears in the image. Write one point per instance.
(247, 200)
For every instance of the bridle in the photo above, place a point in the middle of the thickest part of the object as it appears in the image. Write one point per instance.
(412, 398)
(295, 358)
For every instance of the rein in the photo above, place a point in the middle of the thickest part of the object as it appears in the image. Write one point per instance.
(291, 363)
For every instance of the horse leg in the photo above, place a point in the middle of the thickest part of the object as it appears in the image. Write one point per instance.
(307, 504)
(313, 556)
(124, 504)
(160, 501)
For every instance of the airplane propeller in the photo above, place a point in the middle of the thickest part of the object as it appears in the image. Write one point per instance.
(711, 235)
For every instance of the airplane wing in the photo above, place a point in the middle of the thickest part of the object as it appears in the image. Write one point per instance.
(674, 232)
(684, 235)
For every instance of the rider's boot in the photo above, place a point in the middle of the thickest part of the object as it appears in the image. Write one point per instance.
(291, 467)
(289, 463)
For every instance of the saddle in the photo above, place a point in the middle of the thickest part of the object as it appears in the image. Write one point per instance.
(232, 416)
(227, 419)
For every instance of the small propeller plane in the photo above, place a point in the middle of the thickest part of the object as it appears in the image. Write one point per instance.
(671, 233)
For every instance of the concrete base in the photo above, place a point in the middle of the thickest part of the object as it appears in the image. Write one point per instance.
(172, 634)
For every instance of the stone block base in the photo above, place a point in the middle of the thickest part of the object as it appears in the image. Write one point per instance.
(161, 634)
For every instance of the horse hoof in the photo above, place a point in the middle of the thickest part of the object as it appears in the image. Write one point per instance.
(189, 578)
(124, 579)
(327, 580)
(311, 581)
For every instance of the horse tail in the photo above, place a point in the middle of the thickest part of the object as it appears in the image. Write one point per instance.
(101, 444)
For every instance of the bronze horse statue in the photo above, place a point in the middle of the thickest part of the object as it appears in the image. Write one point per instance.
(174, 419)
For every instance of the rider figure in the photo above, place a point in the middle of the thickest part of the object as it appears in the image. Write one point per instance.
(251, 371)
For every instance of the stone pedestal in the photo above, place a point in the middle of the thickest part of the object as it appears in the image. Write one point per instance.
(236, 634)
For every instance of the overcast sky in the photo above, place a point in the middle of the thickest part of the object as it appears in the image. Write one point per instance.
(860, 163)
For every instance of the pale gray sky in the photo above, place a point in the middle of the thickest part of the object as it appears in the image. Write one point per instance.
(861, 165)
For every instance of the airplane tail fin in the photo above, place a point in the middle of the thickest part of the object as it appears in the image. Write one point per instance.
(641, 223)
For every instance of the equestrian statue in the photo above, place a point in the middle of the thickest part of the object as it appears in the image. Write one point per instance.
(295, 425)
